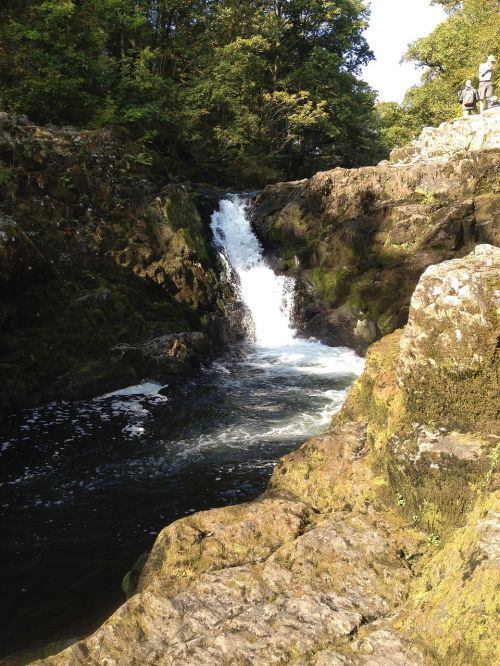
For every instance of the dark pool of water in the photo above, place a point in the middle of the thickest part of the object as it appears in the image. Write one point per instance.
(86, 486)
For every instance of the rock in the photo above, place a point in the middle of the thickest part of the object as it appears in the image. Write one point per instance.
(97, 251)
(174, 355)
(454, 600)
(480, 132)
(316, 473)
(384, 647)
(21, 262)
(449, 363)
(358, 240)
(309, 592)
(222, 538)
(173, 352)
(342, 327)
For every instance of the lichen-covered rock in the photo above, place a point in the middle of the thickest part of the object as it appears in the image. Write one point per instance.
(222, 538)
(454, 603)
(449, 365)
(311, 594)
(358, 240)
(323, 472)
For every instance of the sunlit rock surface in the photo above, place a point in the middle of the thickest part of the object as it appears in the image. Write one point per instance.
(376, 543)
(449, 363)
(477, 132)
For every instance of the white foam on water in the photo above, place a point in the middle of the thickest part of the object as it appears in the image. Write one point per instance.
(146, 388)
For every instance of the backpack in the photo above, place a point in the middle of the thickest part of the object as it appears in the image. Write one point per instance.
(469, 97)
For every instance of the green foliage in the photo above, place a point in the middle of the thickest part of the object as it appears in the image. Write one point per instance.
(241, 92)
(143, 159)
(394, 125)
(6, 175)
(451, 54)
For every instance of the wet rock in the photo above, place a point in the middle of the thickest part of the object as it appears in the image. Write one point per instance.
(168, 356)
(342, 327)
(188, 349)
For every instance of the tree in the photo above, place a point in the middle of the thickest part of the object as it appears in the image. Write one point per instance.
(451, 55)
(239, 91)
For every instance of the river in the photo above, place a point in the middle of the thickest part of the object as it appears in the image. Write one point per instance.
(86, 486)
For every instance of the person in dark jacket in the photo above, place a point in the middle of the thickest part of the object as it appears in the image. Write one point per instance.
(468, 97)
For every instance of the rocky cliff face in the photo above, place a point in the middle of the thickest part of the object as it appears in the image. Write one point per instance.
(100, 252)
(376, 543)
(358, 240)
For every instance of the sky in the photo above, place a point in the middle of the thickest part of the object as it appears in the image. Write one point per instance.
(393, 25)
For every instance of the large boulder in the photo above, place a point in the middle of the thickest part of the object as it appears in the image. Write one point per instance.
(449, 364)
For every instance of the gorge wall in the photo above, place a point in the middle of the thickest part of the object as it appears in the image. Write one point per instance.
(376, 544)
(103, 261)
(358, 240)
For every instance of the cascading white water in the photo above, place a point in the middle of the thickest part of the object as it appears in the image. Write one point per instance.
(268, 297)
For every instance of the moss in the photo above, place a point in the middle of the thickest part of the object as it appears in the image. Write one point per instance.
(454, 604)
(200, 245)
(466, 400)
(435, 491)
(6, 175)
(332, 286)
(376, 396)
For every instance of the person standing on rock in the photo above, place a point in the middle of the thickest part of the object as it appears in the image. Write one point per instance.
(486, 73)
(468, 97)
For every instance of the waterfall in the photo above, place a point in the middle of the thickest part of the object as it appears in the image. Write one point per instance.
(268, 297)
